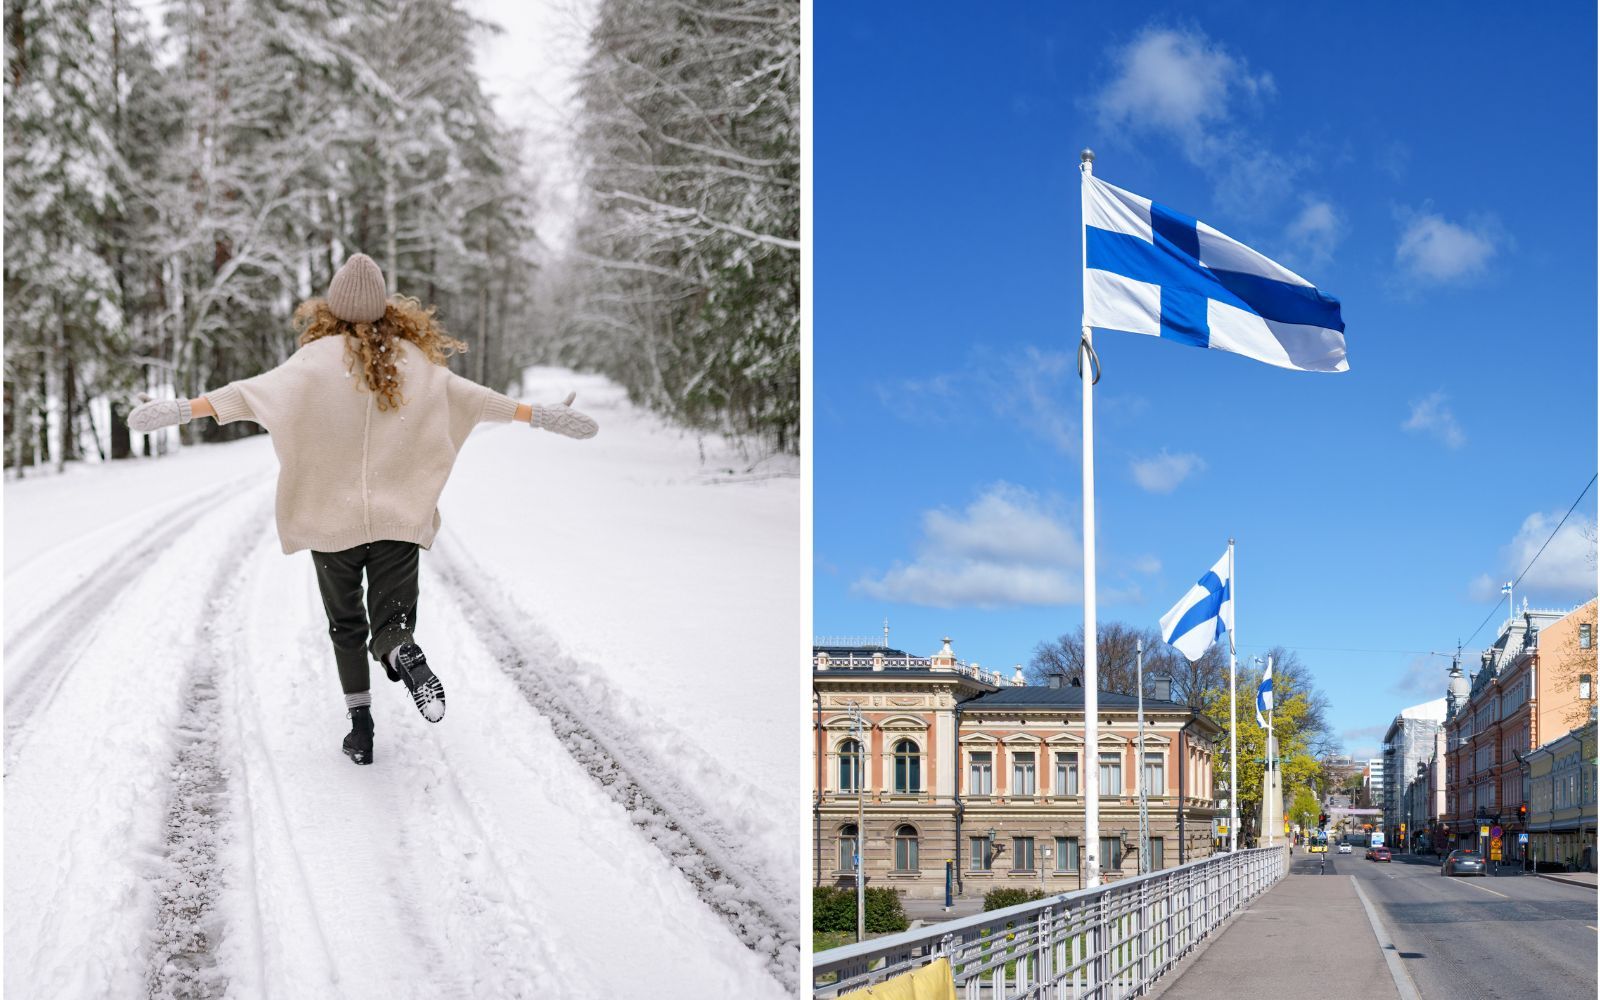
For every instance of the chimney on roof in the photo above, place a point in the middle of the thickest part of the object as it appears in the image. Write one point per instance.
(1161, 687)
(1057, 678)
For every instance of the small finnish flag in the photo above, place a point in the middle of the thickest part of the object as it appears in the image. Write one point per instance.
(1150, 269)
(1264, 697)
(1204, 614)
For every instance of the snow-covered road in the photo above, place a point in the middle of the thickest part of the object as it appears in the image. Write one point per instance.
(180, 822)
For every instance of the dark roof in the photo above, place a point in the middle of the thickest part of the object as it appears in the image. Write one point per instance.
(833, 651)
(1040, 696)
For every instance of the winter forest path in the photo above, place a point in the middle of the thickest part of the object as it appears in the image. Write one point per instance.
(181, 823)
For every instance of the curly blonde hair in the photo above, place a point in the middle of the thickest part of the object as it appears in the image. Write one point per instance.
(371, 345)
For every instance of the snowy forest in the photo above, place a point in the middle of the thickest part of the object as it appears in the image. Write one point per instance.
(173, 191)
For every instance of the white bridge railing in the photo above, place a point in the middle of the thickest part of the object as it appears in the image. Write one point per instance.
(1103, 943)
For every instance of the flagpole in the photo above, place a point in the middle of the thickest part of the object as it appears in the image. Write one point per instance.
(1233, 707)
(1272, 755)
(1091, 671)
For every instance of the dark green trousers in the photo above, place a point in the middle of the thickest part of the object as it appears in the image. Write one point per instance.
(390, 613)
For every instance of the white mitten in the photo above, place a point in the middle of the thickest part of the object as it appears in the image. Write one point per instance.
(154, 414)
(564, 419)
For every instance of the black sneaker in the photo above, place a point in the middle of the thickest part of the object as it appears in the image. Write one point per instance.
(358, 744)
(425, 688)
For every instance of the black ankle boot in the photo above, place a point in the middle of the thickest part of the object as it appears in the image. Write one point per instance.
(426, 690)
(358, 744)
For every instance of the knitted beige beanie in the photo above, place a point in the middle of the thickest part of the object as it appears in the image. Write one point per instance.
(356, 293)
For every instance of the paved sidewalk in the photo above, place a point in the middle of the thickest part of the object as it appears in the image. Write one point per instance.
(1586, 879)
(1308, 934)
(931, 911)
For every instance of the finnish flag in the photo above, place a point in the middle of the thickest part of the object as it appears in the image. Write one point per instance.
(1150, 269)
(1264, 697)
(1204, 614)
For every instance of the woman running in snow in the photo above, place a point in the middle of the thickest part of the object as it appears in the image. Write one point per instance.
(366, 421)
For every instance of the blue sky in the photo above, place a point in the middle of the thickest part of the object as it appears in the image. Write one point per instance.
(1437, 174)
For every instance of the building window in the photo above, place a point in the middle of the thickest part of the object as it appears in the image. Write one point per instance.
(1111, 773)
(847, 848)
(1110, 853)
(907, 767)
(982, 853)
(850, 766)
(981, 777)
(1066, 854)
(1066, 774)
(1158, 854)
(1155, 774)
(1022, 854)
(1585, 635)
(1022, 774)
(905, 849)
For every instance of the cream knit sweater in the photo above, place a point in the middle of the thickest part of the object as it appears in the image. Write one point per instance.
(348, 473)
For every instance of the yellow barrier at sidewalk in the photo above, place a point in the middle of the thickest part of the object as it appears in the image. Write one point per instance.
(931, 982)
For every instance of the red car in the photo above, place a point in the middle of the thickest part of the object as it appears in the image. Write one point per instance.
(1381, 854)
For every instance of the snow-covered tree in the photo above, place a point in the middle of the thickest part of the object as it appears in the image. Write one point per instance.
(61, 296)
(684, 283)
(167, 205)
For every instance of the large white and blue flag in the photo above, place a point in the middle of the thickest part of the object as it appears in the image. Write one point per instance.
(1264, 697)
(1153, 270)
(1204, 614)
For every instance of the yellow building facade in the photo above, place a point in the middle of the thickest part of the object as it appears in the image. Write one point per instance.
(929, 763)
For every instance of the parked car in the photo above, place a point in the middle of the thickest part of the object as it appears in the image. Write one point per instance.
(1381, 854)
(1464, 862)
(1344, 848)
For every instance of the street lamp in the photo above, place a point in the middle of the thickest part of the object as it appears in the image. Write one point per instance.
(859, 767)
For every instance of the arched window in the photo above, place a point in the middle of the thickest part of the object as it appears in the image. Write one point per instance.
(850, 766)
(907, 767)
(905, 849)
(847, 848)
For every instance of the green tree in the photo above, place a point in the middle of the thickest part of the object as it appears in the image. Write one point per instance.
(1299, 722)
(1304, 808)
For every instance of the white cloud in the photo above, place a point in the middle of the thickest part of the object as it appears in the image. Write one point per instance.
(1162, 473)
(920, 399)
(1315, 232)
(1026, 387)
(1567, 567)
(1565, 572)
(1436, 251)
(1432, 415)
(1366, 732)
(1029, 389)
(1177, 81)
(1423, 677)
(1183, 85)
(1147, 565)
(1006, 548)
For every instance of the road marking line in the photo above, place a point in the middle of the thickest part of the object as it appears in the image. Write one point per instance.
(1402, 980)
(1487, 889)
(1592, 928)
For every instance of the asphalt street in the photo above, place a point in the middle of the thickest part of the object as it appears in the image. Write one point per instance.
(1508, 937)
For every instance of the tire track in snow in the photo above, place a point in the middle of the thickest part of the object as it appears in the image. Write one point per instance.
(693, 841)
(183, 962)
(60, 647)
(419, 899)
